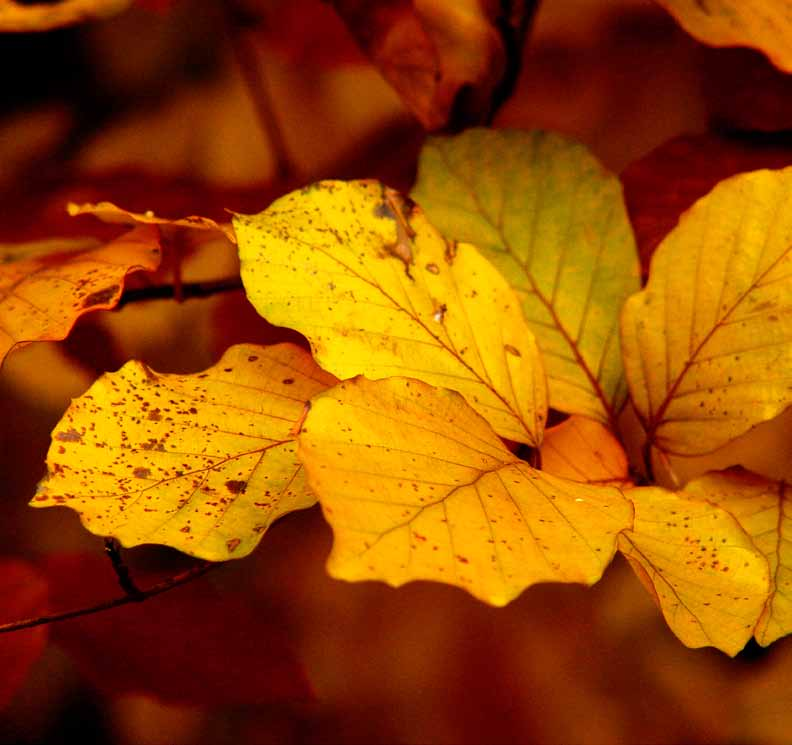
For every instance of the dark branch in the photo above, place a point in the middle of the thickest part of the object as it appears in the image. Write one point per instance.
(164, 586)
(186, 291)
(113, 551)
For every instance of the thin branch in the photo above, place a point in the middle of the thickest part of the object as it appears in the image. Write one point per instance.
(185, 291)
(113, 552)
(179, 579)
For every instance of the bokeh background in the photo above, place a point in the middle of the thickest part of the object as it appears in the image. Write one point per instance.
(151, 109)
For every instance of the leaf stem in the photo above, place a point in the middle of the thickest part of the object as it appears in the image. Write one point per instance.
(168, 584)
(113, 552)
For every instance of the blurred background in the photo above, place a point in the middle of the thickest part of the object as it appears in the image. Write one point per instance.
(185, 107)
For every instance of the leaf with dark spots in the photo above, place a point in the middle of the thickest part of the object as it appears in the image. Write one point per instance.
(220, 649)
(42, 297)
(191, 473)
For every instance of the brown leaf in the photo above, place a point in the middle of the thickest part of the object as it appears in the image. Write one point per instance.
(41, 298)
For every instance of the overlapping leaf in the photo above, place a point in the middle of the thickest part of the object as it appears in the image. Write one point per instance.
(379, 292)
(708, 342)
(763, 24)
(762, 508)
(42, 297)
(416, 485)
(545, 212)
(203, 463)
(701, 567)
(24, 17)
(582, 449)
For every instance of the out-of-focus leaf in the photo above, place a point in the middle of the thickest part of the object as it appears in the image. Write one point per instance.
(659, 187)
(762, 508)
(708, 343)
(23, 17)
(763, 24)
(416, 485)
(447, 59)
(108, 212)
(203, 463)
(379, 292)
(195, 644)
(23, 594)
(701, 567)
(581, 449)
(41, 298)
(547, 214)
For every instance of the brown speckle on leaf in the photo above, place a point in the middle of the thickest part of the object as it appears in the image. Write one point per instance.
(101, 297)
(512, 350)
(71, 435)
(236, 487)
(233, 544)
(141, 473)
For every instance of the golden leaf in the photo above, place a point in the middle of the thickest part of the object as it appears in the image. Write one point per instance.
(416, 485)
(203, 463)
(701, 567)
(708, 343)
(763, 24)
(42, 297)
(379, 292)
(547, 214)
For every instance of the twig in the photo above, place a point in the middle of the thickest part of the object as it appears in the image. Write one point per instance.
(113, 551)
(187, 290)
(164, 586)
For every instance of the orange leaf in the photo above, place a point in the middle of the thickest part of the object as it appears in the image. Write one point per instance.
(41, 298)
(22, 17)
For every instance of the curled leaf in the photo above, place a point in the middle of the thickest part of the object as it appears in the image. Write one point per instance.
(42, 297)
(379, 292)
(700, 566)
(546, 213)
(708, 342)
(416, 485)
(203, 463)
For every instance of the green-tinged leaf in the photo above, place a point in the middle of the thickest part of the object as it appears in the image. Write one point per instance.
(203, 463)
(416, 485)
(547, 214)
(379, 292)
(708, 342)
(701, 567)
(762, 507)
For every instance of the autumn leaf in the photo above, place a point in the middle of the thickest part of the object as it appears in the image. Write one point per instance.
(379, 292)
(762, 509)
(449, 61)
(581, 449)
(108, 212)
(700, 566)
(545, 212)
(203, 463)
(217, 648)
(762, 24)
(22, 17)
(416, 485)
(708, 343)
(41, 297)
(23, 594)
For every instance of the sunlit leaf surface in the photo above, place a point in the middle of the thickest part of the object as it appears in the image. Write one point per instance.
(379, 292)
(27, 17)
(416, 485)
(708, 342)
(203, 463)
(547, 214)
(701, 567)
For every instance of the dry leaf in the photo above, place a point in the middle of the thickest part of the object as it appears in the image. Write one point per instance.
(708, 343)
(203, 463)
(379, 292)
(416, 485)
(42, 297)
(547, 214)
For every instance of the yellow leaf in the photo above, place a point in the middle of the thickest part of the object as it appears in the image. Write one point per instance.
(700, 566)
(42, 297)
(547, 214)
(763, 24)
(21, 17)
(108, 212)
(581, 449)
(762, 507)
(416, 485)
(379, 292)
(708, 342)
(203, 463)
